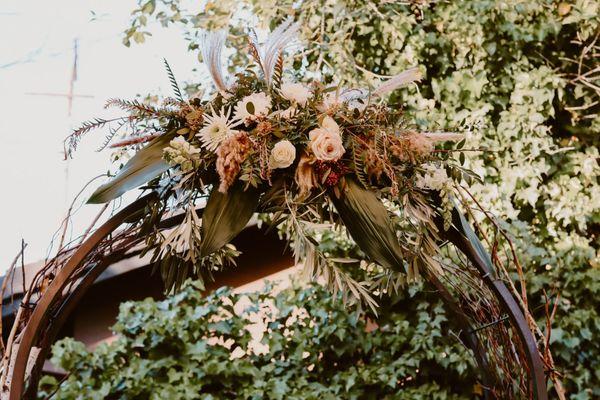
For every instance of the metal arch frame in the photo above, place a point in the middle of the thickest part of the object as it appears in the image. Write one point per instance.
(41, 320)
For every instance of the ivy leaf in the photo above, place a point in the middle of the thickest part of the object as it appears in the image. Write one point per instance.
(225, 215)
(369, 224)
(147, 164)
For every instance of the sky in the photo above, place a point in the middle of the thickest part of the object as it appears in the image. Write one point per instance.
(36, 56)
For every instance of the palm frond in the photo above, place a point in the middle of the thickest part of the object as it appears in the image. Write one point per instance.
(173, 81)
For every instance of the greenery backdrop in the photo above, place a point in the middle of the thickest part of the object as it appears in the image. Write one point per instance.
(520, 78)
(195, 347)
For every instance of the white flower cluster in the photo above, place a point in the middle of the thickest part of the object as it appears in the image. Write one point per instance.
(434, 178)
(325, 141)
(180, 152)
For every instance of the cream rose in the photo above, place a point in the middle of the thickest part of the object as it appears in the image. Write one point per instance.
(282, 155)
(295, 92)
(326, 141)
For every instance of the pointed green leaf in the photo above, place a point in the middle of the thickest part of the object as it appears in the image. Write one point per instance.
(369, 224)
(225, 215)
(145, 165)
(464, 227)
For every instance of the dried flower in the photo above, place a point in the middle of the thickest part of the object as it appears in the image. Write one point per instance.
(330, 172)
(264, 128)
(194, 120)
(282, 155)
(305, 177)
(252, 107)
(412, 147)
(230, 156)
(373, 163)
(295, 92)
(326, 141)
(216, 129)
(331, 102)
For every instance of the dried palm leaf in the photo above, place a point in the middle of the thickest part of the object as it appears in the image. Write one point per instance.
(369, 224)
(225, 215)
(145, 165)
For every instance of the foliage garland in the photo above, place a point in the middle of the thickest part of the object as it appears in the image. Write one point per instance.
(314, 157)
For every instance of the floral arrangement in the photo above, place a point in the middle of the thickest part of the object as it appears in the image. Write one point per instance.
(310, 156)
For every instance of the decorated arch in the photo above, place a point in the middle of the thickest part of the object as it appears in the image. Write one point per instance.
(307, 157)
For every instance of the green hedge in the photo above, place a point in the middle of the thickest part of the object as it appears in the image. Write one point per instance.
(315, 348)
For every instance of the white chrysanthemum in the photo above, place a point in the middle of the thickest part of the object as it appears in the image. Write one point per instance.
(217, 128)
(295, 92)
(251, 107)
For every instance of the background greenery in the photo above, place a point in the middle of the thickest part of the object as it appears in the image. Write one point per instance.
(195, 347)
(520, 78)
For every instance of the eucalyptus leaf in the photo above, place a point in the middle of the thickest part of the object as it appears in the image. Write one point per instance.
(369, 224)
(145, 165)
(225, 215)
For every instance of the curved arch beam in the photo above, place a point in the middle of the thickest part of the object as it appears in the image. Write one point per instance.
(482, 262)
(41, 312)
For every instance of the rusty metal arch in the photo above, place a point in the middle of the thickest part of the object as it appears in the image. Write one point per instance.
(49, 315)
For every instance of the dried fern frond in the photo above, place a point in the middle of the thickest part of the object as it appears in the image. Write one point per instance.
(134, 106)
(73, 139)
(254, 48)
(173, 81)
(212, 43)
(278, 73)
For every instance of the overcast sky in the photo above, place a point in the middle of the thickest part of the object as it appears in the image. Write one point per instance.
(36, 56)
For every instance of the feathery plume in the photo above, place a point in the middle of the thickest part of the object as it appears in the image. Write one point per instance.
(397, 81)
(276, 42)
(444, 136)
(211, 48)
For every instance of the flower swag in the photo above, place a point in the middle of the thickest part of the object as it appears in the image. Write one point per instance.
(311, 157)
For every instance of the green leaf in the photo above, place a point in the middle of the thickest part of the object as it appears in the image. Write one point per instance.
(225, 215)
(145, 165)
(369, 224)
(464, 227)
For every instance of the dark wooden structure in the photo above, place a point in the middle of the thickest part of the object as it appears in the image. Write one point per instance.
(75, 279)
